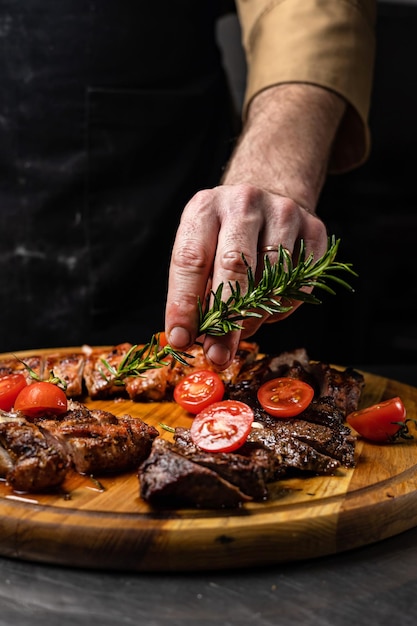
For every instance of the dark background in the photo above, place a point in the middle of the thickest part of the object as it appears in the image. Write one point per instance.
(373, 211)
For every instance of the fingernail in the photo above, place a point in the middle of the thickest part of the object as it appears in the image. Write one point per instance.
(179, 337)
(218, 354)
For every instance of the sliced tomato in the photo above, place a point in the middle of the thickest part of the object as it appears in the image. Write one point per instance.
(383, 422)
(10, 387)
(285, 397)
(222, 426)
(41, 399)
(198, 390)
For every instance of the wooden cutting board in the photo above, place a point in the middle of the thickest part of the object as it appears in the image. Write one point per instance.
(105, 525)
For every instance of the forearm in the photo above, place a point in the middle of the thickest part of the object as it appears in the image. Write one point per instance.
(286, 142)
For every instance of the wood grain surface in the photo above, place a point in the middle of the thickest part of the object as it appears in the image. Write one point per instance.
(112, 528)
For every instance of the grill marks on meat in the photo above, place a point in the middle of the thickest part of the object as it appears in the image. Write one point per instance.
(97, 442)
(345, 387)
(14, 366)
(85, 373)
(97, 377)
(69, 368)
(296, 455)
(320, 426)
(178, 472)
(168, 478)
(29, 463)
(317, 442)
(248, 469)
(36, 457)
(159, 384)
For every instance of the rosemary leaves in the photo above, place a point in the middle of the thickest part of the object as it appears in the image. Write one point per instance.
(280, 284)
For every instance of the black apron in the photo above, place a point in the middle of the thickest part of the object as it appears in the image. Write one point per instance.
(112, 114)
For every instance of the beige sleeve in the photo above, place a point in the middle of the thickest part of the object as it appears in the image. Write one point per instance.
(329, 43)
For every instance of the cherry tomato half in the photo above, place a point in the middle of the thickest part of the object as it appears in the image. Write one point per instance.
(198, 390)
(10, 387)
(41, 399)
(382, 422)
(222, 426)
(285, 397)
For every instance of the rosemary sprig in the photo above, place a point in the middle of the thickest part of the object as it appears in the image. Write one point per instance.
(280, 283)
(139, 359)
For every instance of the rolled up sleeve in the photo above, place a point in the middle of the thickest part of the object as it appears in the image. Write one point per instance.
(329, 43)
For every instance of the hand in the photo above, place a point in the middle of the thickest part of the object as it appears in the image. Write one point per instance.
(270, 192)
(217, 227)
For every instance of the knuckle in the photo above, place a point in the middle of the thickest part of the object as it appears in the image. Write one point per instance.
(249, 194)
(233, 263)
(190, 256)
(316, 240)
(289, 211)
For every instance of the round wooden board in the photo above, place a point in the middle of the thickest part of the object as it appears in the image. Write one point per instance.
(112, 528)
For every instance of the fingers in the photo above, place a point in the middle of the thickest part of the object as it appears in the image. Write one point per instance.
(190, 269)
(216, 238)
(221, 230)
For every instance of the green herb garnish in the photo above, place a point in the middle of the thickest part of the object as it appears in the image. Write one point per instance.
(140, 359)
(281, 282)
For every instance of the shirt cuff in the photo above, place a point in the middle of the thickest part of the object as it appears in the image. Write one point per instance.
(322, 42)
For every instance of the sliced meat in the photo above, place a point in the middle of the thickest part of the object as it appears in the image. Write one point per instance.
(253, 375)
(158, 384)
(245, 356)
(295, 454)
(98, 442)
(249, 473)
(170, 479)
(97, 377)
(35, 457)
(320, 411)
(321, 426)
(151, 386)
(13, 365)
(258, 370)
(289, 359)
(344, 386)
(69, 368)
(33, 465)
(336, 443)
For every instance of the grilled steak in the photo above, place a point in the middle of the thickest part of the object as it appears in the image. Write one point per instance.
(14, 366)
(250, 472)
(170, 479)
(36, 457)
(337, 443)
(85, 373)
(69, 368)
(97, 377)
(315, 442)
(98, 442)
(345, 387)
(28, 462)
(158, 384)
(152, 385)
(296, 455)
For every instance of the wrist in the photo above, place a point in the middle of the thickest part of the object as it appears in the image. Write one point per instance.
(286, 142)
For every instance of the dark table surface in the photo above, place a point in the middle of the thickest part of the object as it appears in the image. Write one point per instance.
(376, 584)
